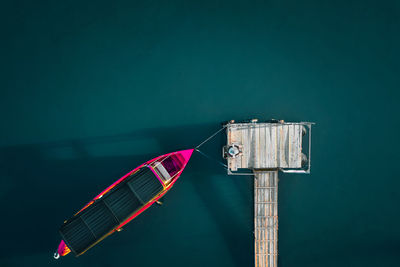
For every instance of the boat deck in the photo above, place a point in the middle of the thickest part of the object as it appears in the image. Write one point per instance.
(92, 224)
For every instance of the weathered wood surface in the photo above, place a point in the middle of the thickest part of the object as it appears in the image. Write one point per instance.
(266, 148)
(266, 218)
(265, 145)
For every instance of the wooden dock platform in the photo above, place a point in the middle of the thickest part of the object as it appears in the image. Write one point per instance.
(264, 149)
(267, 145)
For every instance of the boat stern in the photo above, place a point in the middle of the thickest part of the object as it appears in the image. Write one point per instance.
(62, 250)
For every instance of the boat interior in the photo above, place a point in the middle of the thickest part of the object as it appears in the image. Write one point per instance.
(91, 225)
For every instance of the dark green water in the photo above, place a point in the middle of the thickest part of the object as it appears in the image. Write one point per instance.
(91, 90)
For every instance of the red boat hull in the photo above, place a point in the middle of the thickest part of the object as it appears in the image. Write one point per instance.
(167, 168)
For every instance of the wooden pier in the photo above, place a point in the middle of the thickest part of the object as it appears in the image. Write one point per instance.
(264, 149)
(266, 218)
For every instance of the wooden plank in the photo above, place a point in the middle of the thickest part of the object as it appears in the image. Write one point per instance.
(268, 148)
(229, 141)
(248, 147)
(239, 142)
(257, 152)
(253, 144)
(299, 144)
(243, 161)
(294, 149)
(282, 146)
(289, 142)
(274, 146)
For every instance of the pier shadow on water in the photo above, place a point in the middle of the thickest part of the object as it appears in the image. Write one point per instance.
(43, 184)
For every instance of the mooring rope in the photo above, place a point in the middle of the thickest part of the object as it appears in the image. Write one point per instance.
(205, 141)
(197, 149)
(209, 138)
(212, 159)
(202, 153)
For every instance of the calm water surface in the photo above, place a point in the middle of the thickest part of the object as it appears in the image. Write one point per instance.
(90, 90)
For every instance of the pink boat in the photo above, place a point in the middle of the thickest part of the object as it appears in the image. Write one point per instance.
(121, 202)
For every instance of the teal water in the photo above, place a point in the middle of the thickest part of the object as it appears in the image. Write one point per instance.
(89, 90)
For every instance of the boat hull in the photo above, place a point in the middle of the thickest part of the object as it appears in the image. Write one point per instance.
(142, 184)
